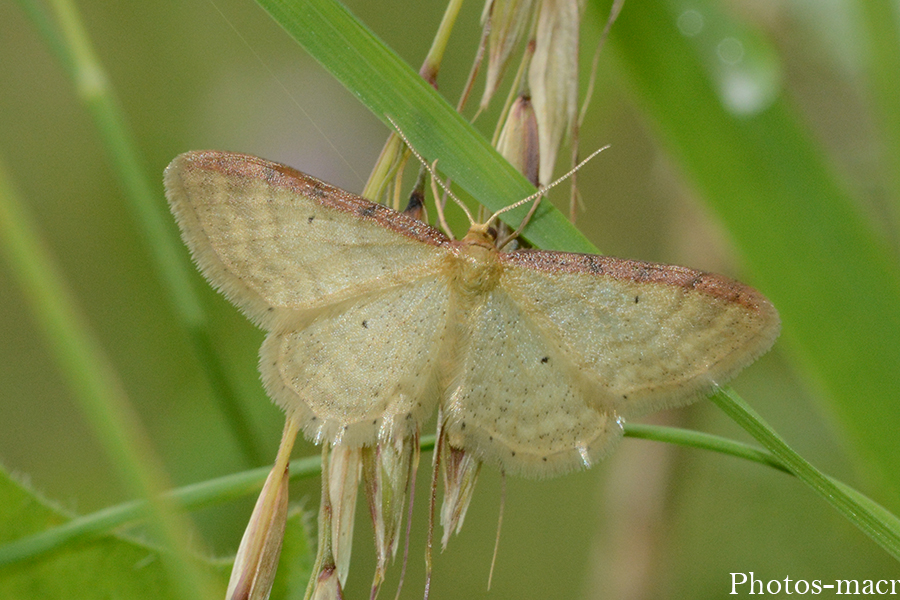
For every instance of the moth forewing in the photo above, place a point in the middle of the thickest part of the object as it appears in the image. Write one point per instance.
(273, 239)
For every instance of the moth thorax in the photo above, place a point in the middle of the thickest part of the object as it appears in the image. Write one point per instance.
(478, 267)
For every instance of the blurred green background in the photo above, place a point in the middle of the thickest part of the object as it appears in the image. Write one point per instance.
(653, 521)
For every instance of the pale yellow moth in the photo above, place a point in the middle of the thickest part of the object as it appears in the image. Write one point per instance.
(376, 318)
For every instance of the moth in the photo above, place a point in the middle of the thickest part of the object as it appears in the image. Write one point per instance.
(374, 319)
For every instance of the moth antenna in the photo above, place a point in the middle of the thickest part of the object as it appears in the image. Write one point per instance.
(430, 170)
(536, 197)
(499, 524)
